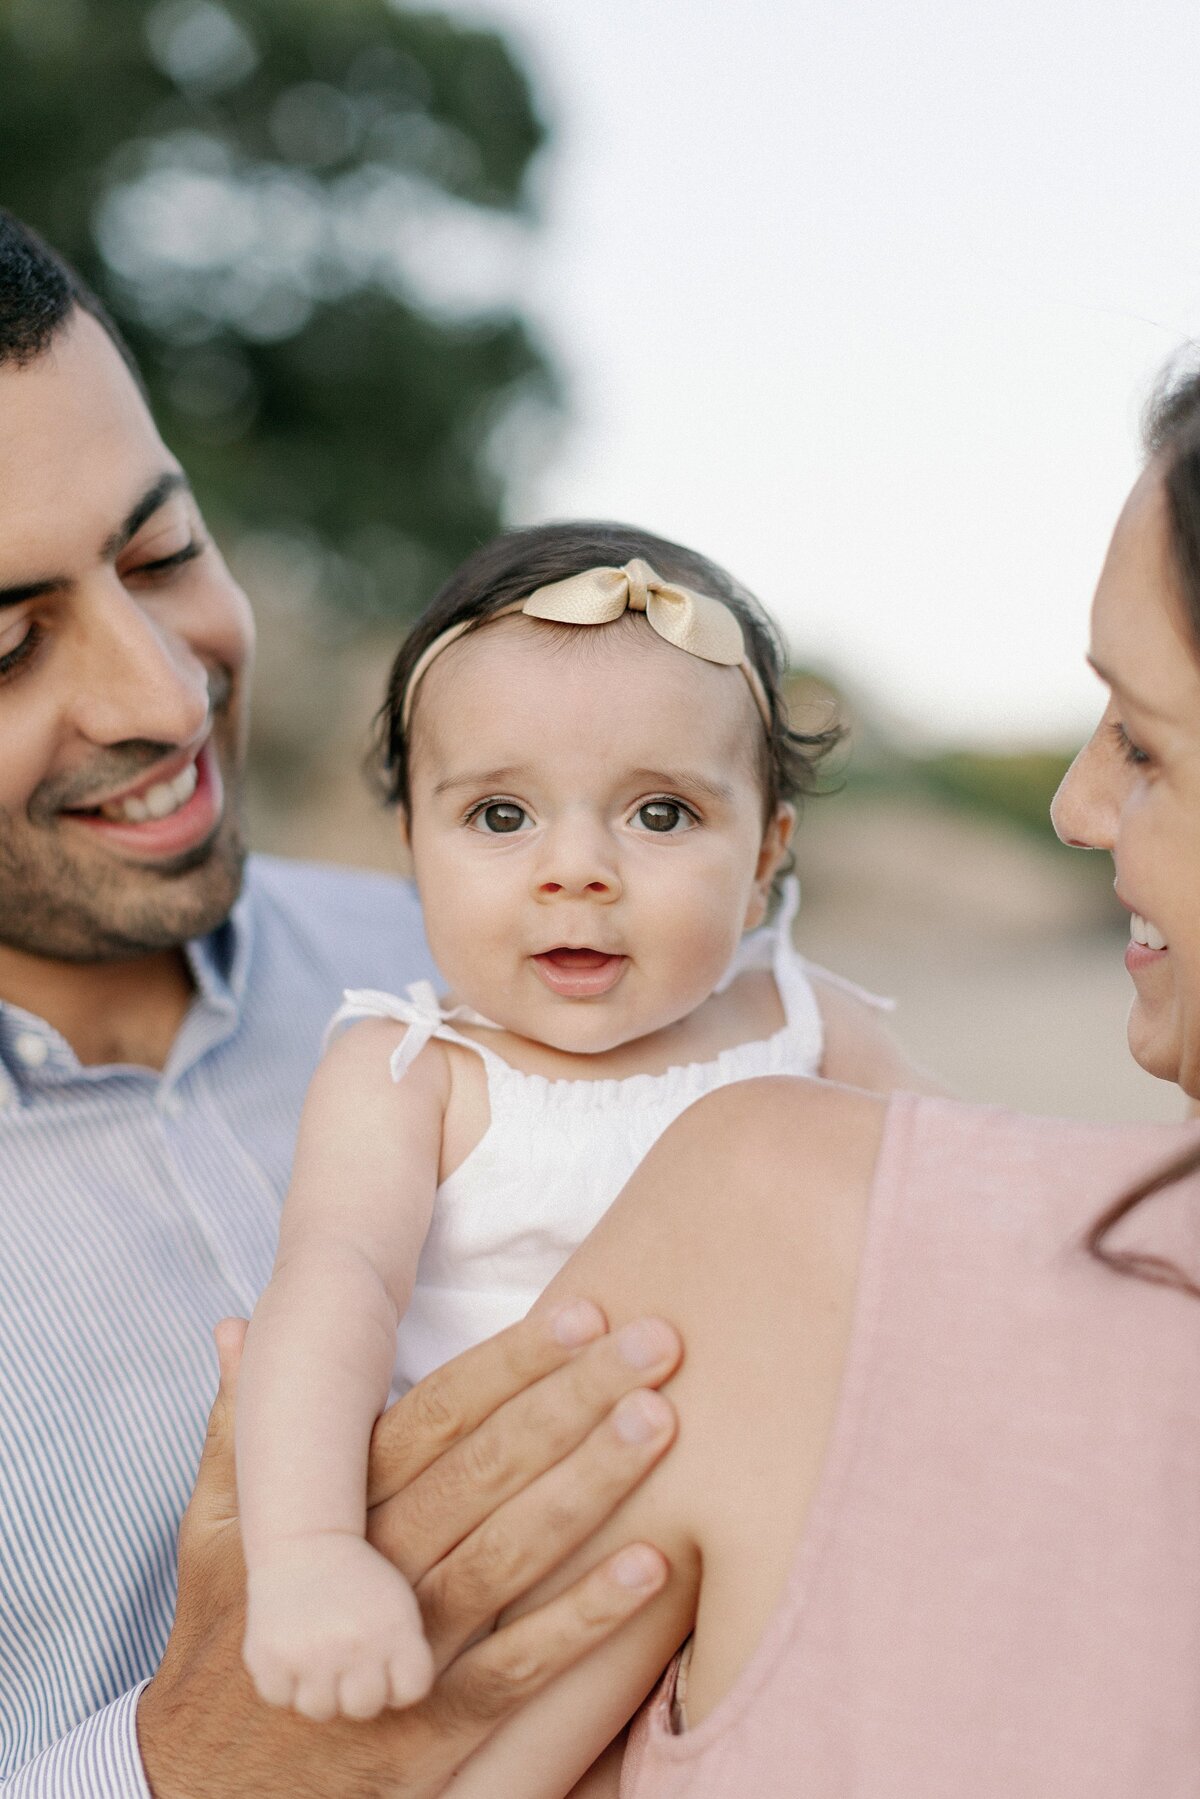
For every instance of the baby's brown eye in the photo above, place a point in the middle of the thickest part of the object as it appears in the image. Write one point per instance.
(660, 815)
(502, 818)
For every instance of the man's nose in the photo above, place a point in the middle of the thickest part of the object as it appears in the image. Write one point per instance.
(578, 860)
(135, 676)
(1084, 810)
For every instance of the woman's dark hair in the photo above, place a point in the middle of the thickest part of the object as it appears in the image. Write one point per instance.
(1171, 433)
(511, 566)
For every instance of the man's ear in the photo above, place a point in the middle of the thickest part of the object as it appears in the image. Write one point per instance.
(776, 838)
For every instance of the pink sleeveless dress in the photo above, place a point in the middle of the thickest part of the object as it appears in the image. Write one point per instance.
(997, 1592)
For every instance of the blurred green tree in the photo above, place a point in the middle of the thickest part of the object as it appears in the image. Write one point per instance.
(291, 207)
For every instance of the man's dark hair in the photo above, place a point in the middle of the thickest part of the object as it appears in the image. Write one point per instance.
(38, 293)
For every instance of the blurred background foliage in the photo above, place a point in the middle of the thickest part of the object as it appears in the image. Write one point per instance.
(1013, 786)
(1008, 788)
(300, 213)
(309, 217)
(287, 205)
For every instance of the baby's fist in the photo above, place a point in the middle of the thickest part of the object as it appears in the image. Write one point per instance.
(333, 1628)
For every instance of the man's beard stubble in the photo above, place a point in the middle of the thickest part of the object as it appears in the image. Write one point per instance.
(98, 909)
(47, 909)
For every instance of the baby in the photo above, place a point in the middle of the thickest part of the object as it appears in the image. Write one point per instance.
(588, 745)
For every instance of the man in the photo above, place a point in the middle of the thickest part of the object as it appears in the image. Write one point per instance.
(161, 1008)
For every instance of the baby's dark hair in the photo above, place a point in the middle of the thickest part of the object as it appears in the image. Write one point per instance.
(512, 565)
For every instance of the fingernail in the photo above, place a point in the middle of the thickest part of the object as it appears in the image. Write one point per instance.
(579, 1322)
(640, 1417)
(645, 1344)
(639, 1566)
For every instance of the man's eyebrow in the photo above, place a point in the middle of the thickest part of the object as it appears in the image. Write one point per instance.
(145, 508)
(32, 590)
(171, 482)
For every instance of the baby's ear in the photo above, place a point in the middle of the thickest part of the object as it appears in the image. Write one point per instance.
(776, 837)
(402, 827)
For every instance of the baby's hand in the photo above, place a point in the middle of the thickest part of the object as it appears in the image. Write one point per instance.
(333, 1627)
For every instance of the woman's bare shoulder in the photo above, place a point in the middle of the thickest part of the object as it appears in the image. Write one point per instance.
(745, 1227)
(813, 1139)
(762, 1162)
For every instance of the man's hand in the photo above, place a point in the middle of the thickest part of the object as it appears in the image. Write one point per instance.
(483, 1479)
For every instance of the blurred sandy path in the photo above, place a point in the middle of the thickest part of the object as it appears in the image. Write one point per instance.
(1004, 957)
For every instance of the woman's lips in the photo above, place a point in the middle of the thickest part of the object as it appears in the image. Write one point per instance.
(579, 973)
(1139, 957)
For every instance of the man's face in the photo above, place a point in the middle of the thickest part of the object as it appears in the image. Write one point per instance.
(125, 650)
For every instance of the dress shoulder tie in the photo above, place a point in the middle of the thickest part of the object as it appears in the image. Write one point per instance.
(419, 1009)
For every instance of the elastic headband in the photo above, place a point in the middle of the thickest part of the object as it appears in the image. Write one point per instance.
(695, 622)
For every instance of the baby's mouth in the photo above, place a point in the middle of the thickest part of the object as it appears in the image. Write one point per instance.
(579, 973)
(577, 958)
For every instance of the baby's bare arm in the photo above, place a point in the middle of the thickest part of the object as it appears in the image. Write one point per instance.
(321, 1344)
(316, 1373)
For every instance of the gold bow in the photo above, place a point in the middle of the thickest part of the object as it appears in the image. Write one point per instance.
(695, 622)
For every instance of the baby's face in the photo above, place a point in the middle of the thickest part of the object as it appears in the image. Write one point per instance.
(586, 828)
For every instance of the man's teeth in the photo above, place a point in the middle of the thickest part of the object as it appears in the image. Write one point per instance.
(1141, 931)
(158, 801)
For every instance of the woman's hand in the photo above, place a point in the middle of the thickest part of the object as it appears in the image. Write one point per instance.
(484, 1478)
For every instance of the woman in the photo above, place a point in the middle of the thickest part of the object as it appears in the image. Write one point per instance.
(935, 1498)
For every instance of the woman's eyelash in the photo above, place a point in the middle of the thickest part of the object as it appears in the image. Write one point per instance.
(1126, 745)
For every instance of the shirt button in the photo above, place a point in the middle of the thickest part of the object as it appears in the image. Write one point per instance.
(171, 1104)
(32, 1049)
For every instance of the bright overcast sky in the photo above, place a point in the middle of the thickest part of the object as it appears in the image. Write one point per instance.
(863, 301)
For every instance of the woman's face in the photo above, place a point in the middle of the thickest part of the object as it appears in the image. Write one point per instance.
(1134, 789)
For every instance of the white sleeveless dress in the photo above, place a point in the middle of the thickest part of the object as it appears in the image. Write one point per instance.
(557, 1152)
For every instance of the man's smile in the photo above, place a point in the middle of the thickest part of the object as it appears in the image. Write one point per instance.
(173, 808)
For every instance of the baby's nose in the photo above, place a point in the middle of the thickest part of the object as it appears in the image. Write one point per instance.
(579, 861)
(603, 889)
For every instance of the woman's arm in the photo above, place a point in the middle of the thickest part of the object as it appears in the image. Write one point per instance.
(603, 1778)
(745, 1226)
(331, 1624)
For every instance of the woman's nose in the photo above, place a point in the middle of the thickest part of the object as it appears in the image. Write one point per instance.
(1084, 810)
(578, 860)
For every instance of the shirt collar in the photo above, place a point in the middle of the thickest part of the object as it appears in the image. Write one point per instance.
(220, 962)
(33, 1054)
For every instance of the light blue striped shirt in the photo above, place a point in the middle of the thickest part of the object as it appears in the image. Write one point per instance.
(137, 1208)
